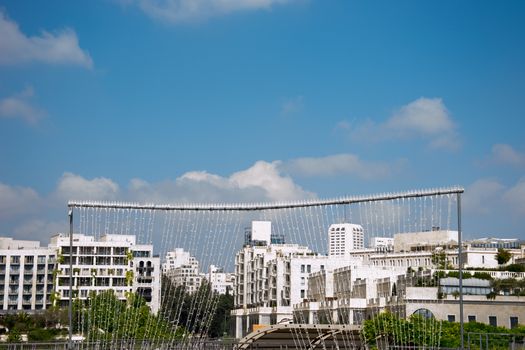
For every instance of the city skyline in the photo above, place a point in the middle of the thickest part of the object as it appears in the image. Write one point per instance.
(259, 101)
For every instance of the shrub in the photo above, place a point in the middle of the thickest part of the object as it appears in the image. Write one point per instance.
(41, 334)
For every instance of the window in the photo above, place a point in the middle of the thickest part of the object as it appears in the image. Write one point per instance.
(302, 293)
(513, 322)
(425, 313)
(308, 268)
(483, 259)
(451, 318)
(302, 281)
(493, 321)
(322, 267)
(302, 268)
(472, 318)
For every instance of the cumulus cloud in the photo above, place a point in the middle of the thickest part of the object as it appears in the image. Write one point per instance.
(515, 198)
(261, 182)
(424, 118)
(39, 229)
(489, 196)
(482, 196)
(60, 47)
(16, 201)
(339, 164)
(19, 106)
(268, 177)
(75, 187)
(178, 11)
(506, 154)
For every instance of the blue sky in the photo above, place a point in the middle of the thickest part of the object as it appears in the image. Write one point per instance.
(207, 100)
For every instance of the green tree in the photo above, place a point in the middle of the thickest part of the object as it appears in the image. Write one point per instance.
(14, 336)
(220, 324)
(503, 256)
(204, 312)
(439, 258)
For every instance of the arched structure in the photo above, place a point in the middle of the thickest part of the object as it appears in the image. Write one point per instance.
(304, 336)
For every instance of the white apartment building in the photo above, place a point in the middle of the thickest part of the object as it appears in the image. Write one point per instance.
(343, 294)
(182, 269)
(352, 294)
(418, 255)
(270, 279)
(114, 262)
(146, 275)
(221, 282)
(344, 238)
(26, 275)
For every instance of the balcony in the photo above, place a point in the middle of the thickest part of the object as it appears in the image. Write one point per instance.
(145, 279)
(120, 251)
(103, 251)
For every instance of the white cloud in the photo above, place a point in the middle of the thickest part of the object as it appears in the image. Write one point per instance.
(177, 11)
(428, 116)
(505, 154)
(19, 106)
(267, 176)
(292, 105)
(515, 198)
(482, 196)
(56, 48)
(424, 118)
(17, 201)
(261, 182)
(75, 187)
(339, 164)
(490, 197)
(38, 229)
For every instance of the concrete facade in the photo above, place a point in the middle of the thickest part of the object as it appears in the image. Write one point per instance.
(506, 311)
(26, 275)
(344, 238)
(404, 242)
(113, 262)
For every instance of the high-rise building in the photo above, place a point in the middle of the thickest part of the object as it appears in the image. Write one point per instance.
(260, 233)
(114, 262)
(343, 238)
(221, 282)
(270, 279)
(182, 269)
(26, 275)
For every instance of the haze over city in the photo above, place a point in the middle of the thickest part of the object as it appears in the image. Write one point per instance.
(240, 101)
